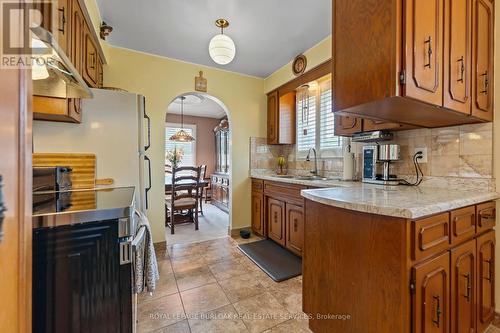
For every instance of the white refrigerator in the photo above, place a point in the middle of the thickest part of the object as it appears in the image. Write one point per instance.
(116, 128)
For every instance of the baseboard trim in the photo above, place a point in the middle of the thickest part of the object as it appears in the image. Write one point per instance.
(236, 232)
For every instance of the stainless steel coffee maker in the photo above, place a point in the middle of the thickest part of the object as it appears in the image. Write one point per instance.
(376, 155)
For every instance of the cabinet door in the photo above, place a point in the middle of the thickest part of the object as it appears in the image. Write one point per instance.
(457, 55)
(430, 301)
(463, 291)
(286, 115)
(482, 59)
(485, 280)
(294, 228)
(77, 24)
(424, 50)
(258, 213)
(90, 59)
(63, 24)
(272, 117)
(275, 220)
(346, 125)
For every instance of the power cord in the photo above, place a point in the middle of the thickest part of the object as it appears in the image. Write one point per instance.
(420, 175)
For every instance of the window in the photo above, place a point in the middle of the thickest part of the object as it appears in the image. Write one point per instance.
(189, 148)
(316, 127)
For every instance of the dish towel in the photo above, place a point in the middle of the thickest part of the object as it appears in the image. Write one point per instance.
(146, 268)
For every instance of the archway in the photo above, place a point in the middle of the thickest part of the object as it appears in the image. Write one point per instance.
(208, 119)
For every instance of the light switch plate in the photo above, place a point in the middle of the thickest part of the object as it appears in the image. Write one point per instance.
(423, 159)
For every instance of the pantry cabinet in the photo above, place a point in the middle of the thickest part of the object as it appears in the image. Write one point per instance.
(430, 64)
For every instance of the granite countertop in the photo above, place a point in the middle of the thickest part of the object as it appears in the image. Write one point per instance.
(399, 201)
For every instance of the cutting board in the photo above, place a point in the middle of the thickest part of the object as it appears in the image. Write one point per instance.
(83, 165)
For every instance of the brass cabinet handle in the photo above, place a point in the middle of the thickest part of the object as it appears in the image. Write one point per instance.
(62, 11)
(276, 217)
(489, 278)
(462, 69)
(295, 225)
(92, 60)
(437, 321)
(2, 208)
(428, 41)
(468, 287)
(485, 82)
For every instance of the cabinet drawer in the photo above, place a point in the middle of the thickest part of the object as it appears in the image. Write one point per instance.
(257, 185)
(430, 236)
(281, 190)
(463, 224)
(485, 213)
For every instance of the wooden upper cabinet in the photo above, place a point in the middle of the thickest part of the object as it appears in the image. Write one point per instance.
(457, 55)
(90, 72)
(485, 280)
(272, 117)
(424, 63)
(77, 35)
(482, 59)
(63, 24)
(463, 291)
(431, 299)
(281, 118)
(424, 31)
(276, 220)
(345, 125)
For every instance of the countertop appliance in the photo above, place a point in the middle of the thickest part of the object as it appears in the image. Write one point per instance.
(116, 129)
(373, 156)
(82, 262)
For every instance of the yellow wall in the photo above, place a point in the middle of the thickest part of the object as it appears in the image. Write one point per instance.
(315, 56)
(160, 80)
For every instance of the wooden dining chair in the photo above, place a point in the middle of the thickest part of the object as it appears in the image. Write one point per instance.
(203, 172)
(184, 195)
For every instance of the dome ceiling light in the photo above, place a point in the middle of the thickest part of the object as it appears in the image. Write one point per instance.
(221, 48)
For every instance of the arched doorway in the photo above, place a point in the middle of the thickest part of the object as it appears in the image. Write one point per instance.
(207, 119)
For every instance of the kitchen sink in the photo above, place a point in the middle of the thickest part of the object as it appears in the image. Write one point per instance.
(284, 176)
(310, 178)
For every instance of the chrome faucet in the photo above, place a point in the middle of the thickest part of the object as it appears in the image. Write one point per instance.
(315, 171)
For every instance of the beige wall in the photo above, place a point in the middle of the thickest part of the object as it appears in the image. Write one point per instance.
(205, 139)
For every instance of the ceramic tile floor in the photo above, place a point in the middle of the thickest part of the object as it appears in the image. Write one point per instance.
(211, 287)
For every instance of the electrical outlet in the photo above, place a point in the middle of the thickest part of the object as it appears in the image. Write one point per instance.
(422, 159)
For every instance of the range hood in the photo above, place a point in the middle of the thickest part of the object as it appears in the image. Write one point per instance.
(53, 73)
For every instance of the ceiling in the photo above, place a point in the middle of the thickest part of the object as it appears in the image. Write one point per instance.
(197, 105)
(267, 33)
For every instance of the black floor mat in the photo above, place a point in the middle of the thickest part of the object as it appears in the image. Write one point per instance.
(278, 263)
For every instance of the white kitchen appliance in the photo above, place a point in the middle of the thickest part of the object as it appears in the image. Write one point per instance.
(116, 128)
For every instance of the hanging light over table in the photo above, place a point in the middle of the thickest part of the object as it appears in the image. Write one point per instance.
(182, 135)
(221, 48)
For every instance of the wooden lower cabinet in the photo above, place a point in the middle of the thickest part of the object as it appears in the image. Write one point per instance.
(463, 293)
(431, 300)
(485, 280)
(258, 213)
(294, 228)
(275, 220)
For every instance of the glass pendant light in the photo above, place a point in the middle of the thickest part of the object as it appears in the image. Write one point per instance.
(182, 135)
(221, 48)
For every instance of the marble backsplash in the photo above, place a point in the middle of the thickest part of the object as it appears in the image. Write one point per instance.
(457, 156)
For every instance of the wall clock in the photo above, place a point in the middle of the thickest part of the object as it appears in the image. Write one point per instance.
(299, 64)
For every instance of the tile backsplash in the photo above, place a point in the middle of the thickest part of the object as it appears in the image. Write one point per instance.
(457, 156)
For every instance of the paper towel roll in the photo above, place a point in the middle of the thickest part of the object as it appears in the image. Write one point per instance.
(348, 169)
